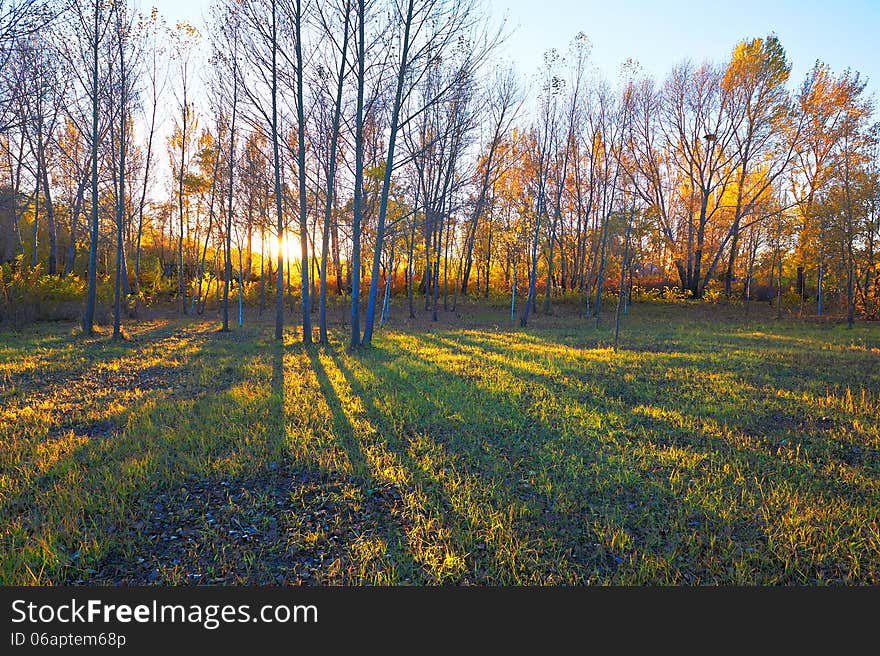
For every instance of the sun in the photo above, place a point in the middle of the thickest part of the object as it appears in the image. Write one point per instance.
(290, 246)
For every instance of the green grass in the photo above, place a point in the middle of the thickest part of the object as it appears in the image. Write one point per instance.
(706, 450)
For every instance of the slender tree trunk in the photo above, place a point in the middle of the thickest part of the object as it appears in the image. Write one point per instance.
(331, 181)
(409, 262)
(120, 200)
(279, 215)
(621, 287)
(513, 293)
(386, 182)
(89, 313)
(34, 259)
(262, 270)
(301, 171)
(229, 199)
(357, 213)
(446, 262)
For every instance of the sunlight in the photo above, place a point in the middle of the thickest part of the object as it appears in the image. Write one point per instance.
(290, 246)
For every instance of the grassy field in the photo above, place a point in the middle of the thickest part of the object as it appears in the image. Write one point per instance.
(706, 450)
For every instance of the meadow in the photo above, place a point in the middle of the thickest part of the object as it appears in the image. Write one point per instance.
(706, 449)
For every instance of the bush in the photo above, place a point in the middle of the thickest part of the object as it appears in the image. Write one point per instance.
(28, 294)
(713, 295)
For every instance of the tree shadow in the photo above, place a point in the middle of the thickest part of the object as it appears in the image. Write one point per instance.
(124, 451)
(278, 421)
(434, 516)
(625, 396)
(342, 427)
(85, 354)
(631, 491)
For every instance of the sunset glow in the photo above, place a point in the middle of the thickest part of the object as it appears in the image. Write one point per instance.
(291, 247)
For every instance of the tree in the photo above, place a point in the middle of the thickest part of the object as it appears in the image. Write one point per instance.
(226, 70)
(763, 139)
(331, 161)
(185, 37)
(297, 16)
(91, 25)
(126, 80)
(431, 30)
(823, 104)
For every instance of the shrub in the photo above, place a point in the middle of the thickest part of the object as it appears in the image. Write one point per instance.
(28, 294)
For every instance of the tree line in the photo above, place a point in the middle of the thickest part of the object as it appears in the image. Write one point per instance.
(366, 148)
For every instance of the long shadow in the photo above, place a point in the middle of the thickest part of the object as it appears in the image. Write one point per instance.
(342, 428)
(116, 455)
(361, 474)
(622, 397)
(758, 460)
(766, 378)
(277, 417)
(499, 463)
(804, 356)
(441, 506)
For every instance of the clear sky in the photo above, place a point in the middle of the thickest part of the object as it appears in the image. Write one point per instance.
(842, 33)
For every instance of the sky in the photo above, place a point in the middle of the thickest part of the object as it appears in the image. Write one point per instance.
(842, 33)
(660, 34)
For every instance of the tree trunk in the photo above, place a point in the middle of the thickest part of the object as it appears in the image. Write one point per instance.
(386, 182)
(39, 181)
(357, 209)
(227, 278)
(279, 287)
(301, 171)
(331, 181)
(621, 287)
(89, 313)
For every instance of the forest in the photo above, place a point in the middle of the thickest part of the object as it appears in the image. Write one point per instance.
(572, 329)
(295, 151)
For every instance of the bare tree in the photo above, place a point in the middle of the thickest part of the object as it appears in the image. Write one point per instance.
(126, 80)
(505, 101)
(154, 30)
(91, 25)
(332, 156)
(185, 37)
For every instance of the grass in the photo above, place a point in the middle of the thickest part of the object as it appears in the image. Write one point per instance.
(706, 450)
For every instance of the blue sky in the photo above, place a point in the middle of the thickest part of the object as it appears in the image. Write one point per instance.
(843, 33)
(659, 34)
